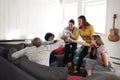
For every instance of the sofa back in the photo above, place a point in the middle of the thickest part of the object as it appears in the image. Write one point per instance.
(4, 48)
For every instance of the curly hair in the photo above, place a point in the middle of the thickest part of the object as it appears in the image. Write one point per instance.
(48, 35)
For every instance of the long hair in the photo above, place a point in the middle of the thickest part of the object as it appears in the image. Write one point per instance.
(98, 40)
(84, 21)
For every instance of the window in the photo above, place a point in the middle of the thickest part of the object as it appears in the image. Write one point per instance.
(95, 12)
(70, 11)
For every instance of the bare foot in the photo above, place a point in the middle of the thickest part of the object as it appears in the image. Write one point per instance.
(75, 72)
(69, 64)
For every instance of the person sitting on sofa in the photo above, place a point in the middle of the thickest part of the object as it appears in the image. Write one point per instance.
(38, 53)
(49, 39)
(102, 63)
(70, 47)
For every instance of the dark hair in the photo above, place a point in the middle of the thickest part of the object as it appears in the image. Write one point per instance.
(72, 21)
(48, 35)
(85, 23)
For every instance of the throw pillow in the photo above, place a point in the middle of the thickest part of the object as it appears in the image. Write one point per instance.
(1, 50)
(74, 78)
(59, 50)
(4, 52)
(11, 51)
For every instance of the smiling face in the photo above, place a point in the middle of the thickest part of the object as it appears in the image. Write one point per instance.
(80, 22)
(71, 26)
(51, 38)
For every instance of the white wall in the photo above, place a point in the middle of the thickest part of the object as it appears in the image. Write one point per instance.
(24, 18)
(112, 8)
(29, 18)
(68, 1)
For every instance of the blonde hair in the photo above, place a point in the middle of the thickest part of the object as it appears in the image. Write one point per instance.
(98, 40)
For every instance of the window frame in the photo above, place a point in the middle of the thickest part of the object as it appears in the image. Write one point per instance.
(98, 3)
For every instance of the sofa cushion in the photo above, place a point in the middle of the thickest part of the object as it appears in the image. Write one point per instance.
(11, 51)
(59, 50)
(9, 71)
(17, 46)
(1, 50)
(42, 72)
(102, 75)
(4, 52)
(74, 78)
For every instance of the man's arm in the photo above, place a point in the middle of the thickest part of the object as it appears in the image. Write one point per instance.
(56, 45)
(19, 54)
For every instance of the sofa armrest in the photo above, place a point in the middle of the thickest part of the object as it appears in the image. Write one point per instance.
(8, 71)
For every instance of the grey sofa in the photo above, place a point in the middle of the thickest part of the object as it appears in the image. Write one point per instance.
(103, 75)
(23, 69)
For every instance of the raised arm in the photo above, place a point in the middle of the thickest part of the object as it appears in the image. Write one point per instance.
(56, 45)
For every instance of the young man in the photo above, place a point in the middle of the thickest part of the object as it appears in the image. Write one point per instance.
(70, 47)
(49, 39)
(38, 53)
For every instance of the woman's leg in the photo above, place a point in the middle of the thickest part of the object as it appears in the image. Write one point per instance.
(77, 54)
(90, 63)
(82, 55)
(100, 67)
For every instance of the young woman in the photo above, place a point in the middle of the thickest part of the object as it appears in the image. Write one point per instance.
(86, 31)
(102, 63)
(70, 47)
